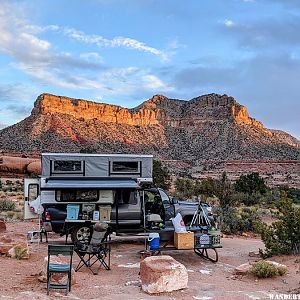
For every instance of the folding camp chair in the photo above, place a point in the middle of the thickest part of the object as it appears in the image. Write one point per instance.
(95, 252)
(53, 268)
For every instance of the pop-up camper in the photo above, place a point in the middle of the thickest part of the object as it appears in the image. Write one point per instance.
(78, 190)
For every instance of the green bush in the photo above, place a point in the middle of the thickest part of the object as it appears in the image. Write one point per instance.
(20, 252)
(238, 221)
(161, 175)
(7, 205)
(283, 236)
(292, 193)
(250, 183)
(264, 269)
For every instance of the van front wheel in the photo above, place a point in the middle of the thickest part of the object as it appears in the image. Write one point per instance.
(81, 234)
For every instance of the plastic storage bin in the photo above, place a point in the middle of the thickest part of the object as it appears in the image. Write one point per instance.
(72, 211)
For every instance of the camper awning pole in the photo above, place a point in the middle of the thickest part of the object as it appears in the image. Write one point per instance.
(144, 208)
(117, 213)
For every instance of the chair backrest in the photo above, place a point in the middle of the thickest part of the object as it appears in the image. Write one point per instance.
(107, 234)
(65, 250)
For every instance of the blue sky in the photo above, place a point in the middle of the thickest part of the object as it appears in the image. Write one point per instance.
(124, 51)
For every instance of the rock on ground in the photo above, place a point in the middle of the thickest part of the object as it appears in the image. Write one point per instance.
(162, 274)
(9, 241)
(20, 251)
(242, 269)
(58, 278)
(245, 268)
(2, 226)
(276, 264)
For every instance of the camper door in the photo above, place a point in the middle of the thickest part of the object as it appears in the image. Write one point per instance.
(31, 192)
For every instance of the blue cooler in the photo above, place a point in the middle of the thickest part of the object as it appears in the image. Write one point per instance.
(153, 241)
(72, 211)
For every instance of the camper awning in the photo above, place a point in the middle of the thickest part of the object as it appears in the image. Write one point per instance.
(102, 184)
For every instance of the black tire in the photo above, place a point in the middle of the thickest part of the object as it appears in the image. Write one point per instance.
(81, 234)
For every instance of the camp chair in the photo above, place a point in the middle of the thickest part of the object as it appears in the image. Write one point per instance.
(97, 251)
(52, 268)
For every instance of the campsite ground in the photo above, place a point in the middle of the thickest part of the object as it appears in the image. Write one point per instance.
(19, 278)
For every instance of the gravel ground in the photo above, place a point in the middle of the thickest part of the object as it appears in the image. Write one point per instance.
(18, 279)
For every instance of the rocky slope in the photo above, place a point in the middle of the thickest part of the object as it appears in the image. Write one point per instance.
(210, 127)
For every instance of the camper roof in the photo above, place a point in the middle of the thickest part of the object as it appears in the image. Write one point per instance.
(99, 155)
(134, 166)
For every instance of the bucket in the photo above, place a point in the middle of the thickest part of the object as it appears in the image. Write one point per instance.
(153, 240)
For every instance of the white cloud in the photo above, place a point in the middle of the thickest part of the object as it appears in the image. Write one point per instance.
(151, 82)
(229, 23)
(40, 59)
(92, 57)
(126, 42)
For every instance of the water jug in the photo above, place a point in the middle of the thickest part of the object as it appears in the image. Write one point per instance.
(153, 240)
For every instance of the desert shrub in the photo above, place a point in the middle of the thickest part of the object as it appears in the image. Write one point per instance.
(270, 198)
(10, 215)
(20, 252)
(11, 194)
(250, 183)
(238, 221)
(283, 236)
(184, 188)
(34, 175)
(161, 175)
(7, 205)
(18, 216)
(292, 193)
(264, 269)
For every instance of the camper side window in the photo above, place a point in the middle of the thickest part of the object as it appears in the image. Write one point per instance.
(67, 166)
(127, 197)
(124, 167)
(76, 195)
(33, 191)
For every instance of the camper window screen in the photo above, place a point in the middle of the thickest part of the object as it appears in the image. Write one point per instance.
(67, 166)
(120, 167)
(76, 195)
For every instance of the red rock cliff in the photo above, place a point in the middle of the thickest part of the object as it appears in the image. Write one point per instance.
(88, 110)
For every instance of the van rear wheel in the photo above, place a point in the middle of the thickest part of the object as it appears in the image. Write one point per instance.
(81, 234)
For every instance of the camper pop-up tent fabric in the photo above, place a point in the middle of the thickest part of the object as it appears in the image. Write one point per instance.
(97, 165)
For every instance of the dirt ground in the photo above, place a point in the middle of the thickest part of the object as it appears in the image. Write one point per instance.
(207, 280)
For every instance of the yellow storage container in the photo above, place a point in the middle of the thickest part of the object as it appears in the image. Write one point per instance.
(184, 240)
(104, 212)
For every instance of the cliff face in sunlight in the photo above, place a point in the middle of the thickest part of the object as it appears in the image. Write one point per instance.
(209, 127)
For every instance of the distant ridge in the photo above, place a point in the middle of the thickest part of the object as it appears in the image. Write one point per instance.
(208, 127)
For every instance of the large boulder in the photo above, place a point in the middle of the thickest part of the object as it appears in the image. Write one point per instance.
(14, 164)
(34, 167)
(162, 274)
(58, 278)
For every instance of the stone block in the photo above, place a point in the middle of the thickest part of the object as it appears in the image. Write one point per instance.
(58, 278)
(162, 274)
